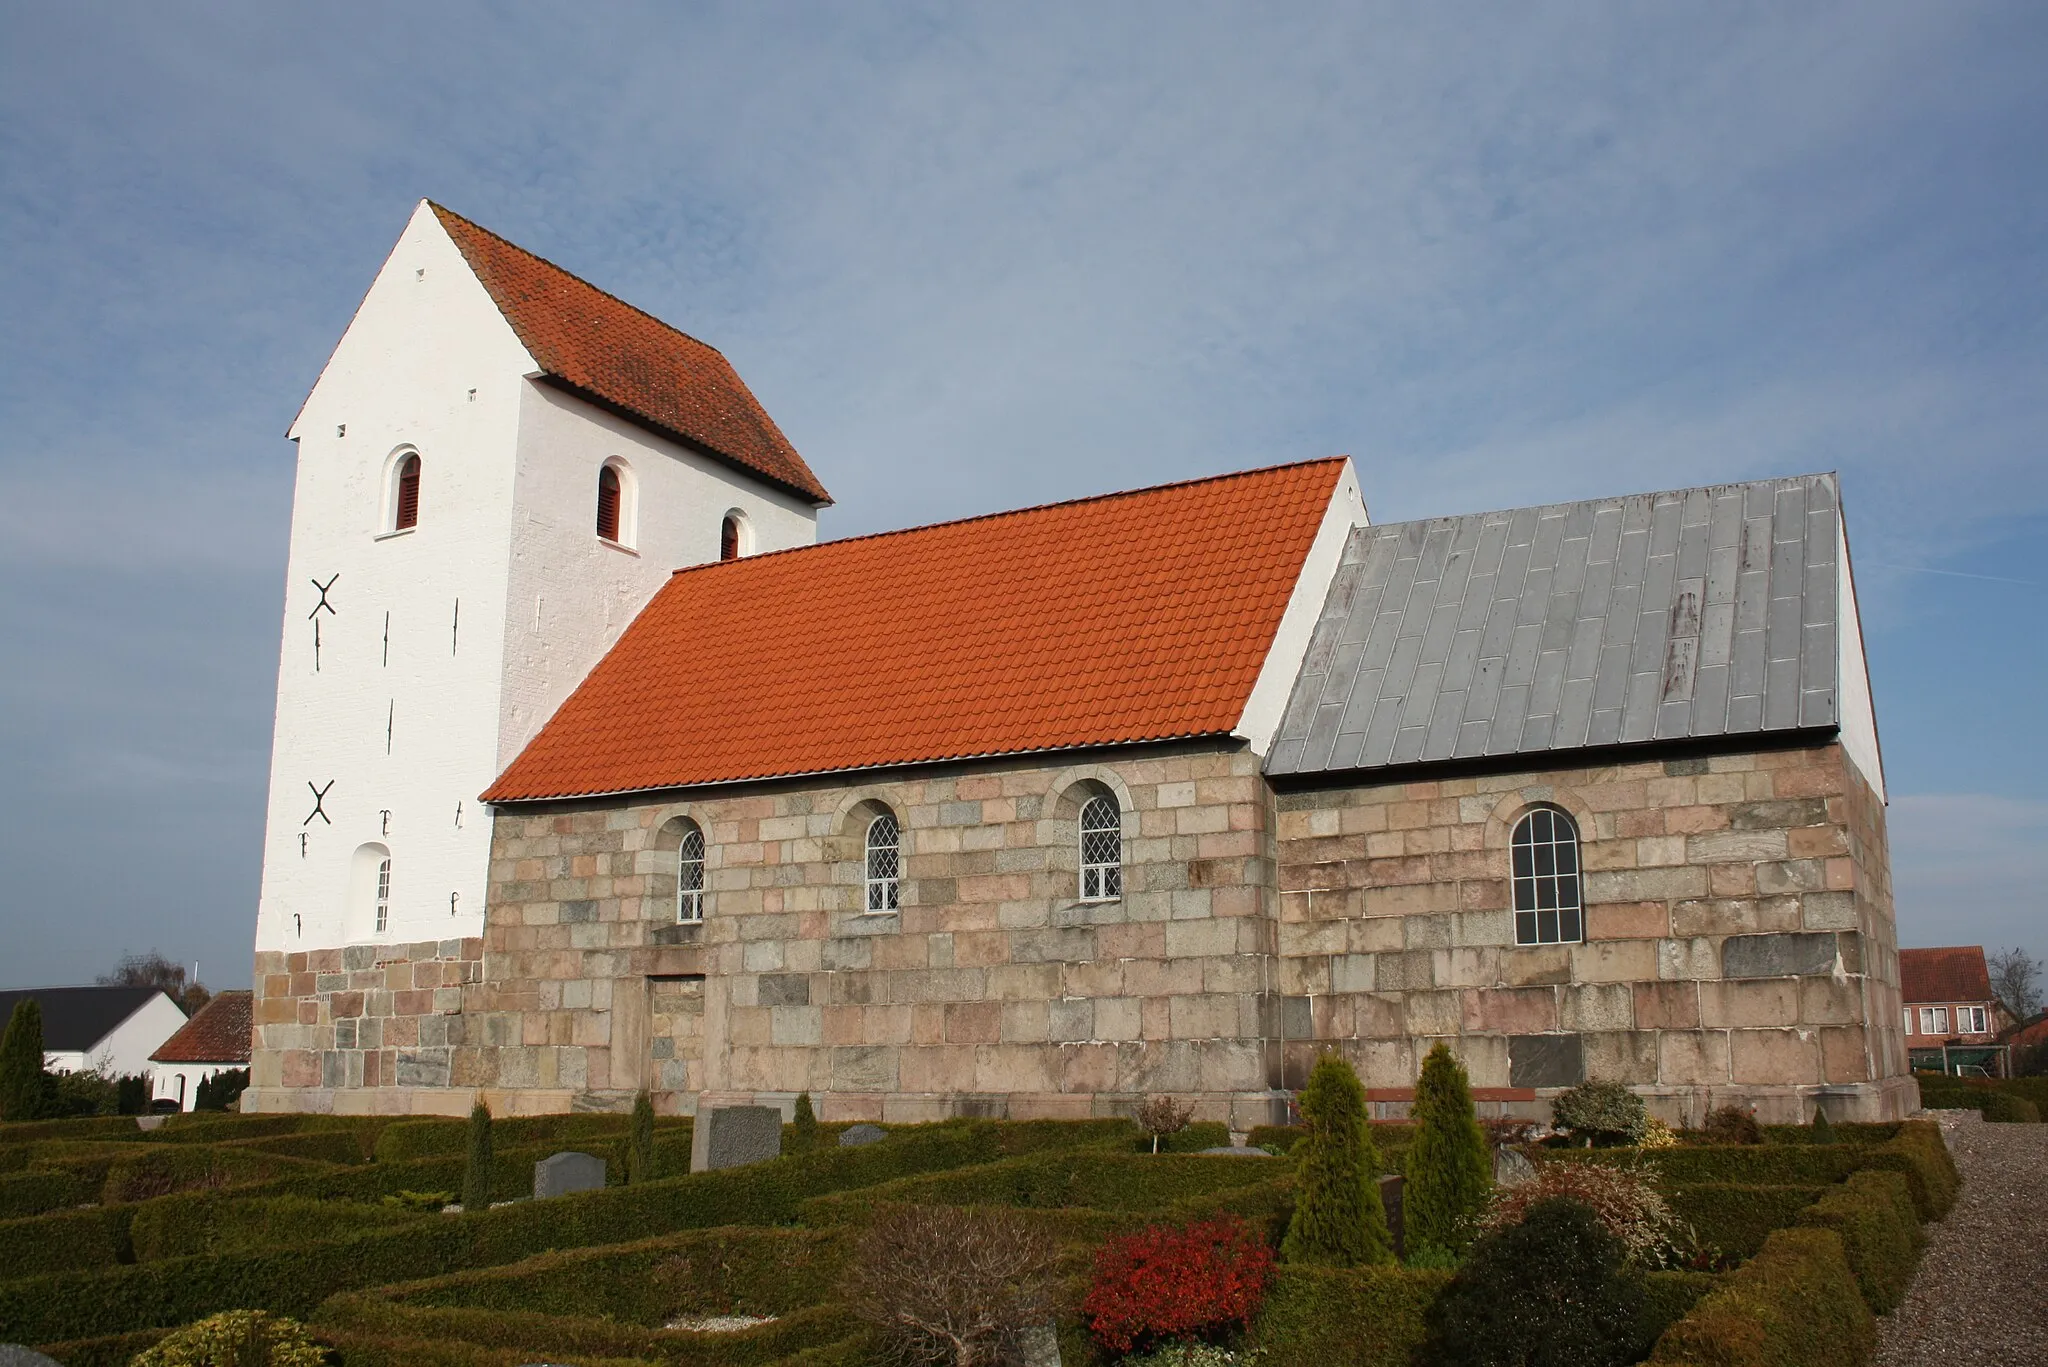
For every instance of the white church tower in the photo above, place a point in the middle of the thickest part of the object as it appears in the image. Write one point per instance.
(497, 468)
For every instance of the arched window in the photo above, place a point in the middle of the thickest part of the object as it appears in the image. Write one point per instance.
(367, 915)
(729, 538)
(406, 505)
(690, 876)
(1102, 850)
(608, 503)
(384, 895)
(884, 863)
(1545, 850)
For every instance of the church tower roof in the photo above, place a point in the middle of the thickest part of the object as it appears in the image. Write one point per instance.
(628, 361)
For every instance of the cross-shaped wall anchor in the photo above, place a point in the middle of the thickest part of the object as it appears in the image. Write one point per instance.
(323, 603)
(385, 812)
(458, 815)
(302, 842)
(452, 898)
(319, 797)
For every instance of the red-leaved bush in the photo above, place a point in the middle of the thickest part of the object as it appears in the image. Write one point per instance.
(1166, 1283)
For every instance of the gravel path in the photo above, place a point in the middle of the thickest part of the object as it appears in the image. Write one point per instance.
(1980, 1297)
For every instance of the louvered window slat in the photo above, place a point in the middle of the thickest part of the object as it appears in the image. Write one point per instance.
(608, 503)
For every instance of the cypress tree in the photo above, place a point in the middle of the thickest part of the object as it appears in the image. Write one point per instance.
(1449, 1170)
(803, 1126)
(1338, 1219)
(22, 1093)
(640, 1141)
(476, 1177)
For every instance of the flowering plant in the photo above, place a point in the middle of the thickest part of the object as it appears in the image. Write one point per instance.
(1622, 1198)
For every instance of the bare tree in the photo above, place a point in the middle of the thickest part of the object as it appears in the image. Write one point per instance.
(954, 1287)
(1162, 1117)
(2016, 981)
(154, 970)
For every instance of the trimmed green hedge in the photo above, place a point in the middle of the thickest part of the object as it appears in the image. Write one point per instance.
(181, 1227)
(1880, 1232)
(1768, 1165)
(294, 1279)
(1793, 1305)
(404, 1140)
(1085, 1180)
(66, 1240)
(1363, 1317)
(116, 1350)
(39, 1189)
(1920, 1155)
(344, 1147)
(1736, 1218)
(78, 1127)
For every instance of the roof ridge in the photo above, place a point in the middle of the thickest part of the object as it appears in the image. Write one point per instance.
(441, 209)
(1017, 512)
(1608, 498)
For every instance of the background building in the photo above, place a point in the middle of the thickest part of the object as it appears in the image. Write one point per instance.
(214, 1041)
(108, 1030)
(1953, 1020)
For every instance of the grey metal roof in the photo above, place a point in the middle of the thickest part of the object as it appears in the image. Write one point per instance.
(78, 1017)
(1694, 613)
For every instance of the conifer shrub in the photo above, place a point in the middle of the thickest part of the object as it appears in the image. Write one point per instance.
(221, 1091)
(1823, 1128)
(803, 1126)
(236, 1338)
(1338, 1219)
(1450, 1169)
(23, 1092)
(476, 1173)
(1554, 1290)
(640, 1141)
(1201, 1282)
(1602, 1113)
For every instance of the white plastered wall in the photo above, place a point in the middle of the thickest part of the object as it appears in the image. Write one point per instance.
(428, 363)
(124, 1051)
(1268, 700)
(571, 592)
(1859, 714)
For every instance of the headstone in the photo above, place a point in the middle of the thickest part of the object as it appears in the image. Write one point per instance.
(561, 1173)
(734, 1136)
(1391, 1197)
(860, 1136)
(14, 1355)
(1040, 1346)
(1511, 1167)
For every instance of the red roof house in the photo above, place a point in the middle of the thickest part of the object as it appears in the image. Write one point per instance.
(1949, 1005)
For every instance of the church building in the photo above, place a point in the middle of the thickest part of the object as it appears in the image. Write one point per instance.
(596, 773)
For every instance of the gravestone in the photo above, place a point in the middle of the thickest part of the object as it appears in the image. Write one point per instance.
(860, 1136)
(1040, 1346)
(559, 1174)
(1511, 1167)
(1392, 1198)
(14, 1355)
(734, 1136)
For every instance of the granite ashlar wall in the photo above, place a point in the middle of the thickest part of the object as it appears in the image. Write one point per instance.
(994, 989)
(1740, 942)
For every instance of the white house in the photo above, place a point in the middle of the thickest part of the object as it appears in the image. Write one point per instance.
(212, 1042)
(107, 1030)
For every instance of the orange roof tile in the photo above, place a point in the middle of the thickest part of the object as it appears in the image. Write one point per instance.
(220, 1033)
(624, 359)
(1132, 617)
(1953, 974)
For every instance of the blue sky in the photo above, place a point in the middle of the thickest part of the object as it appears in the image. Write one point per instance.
(973, 257)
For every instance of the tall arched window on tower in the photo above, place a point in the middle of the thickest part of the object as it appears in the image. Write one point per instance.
(884, 864)
(1102, 850)
(384, 895)
(406, 503)
(690, 876)
(729, 538)
(1545, 851)
(368, 913)
(608, 503)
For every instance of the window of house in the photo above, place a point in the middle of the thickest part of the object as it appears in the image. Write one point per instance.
(406, 506)
(884, 863)
(1970, 1021)
(1909, 1020)
(608, 503)
(1102, 850)
(384, 896)
(1545, 857)
(690, 876)
(1934, 1020)
(729, 538)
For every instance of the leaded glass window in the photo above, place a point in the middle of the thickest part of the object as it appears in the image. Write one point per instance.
(383, 896)
(884, 863)
(690, 876)
(1545, 850)
(1102, 850)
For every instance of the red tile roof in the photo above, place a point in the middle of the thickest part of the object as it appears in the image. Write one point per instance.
(1954, 974)
(1132, 617)
(624, 359)
(218, 1034)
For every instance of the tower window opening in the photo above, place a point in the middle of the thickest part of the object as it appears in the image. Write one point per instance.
(608, 503)
(729, 539)
(408, 506)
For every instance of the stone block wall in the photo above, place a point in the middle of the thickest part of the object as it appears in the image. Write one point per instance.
(994, 989)
(1739, 938)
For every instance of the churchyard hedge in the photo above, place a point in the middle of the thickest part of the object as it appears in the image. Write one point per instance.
(1873, 1214)
(1734, 1218)
(1795, 1304)
(36, 1190)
